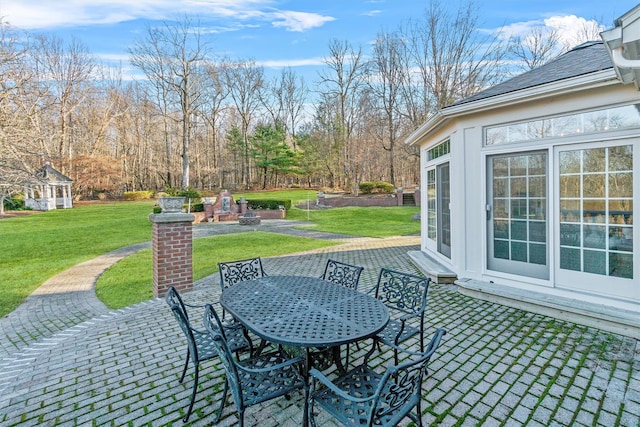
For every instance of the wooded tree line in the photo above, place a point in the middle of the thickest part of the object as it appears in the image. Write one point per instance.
(208, 122)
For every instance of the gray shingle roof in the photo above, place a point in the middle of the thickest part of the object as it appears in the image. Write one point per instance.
(48, 174)
(586, 58)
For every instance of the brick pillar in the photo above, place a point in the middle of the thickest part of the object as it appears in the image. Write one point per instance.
(172, 252)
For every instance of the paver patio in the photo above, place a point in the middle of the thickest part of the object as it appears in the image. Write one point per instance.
(66, 360)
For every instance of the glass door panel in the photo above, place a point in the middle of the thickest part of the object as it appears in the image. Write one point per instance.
(517, 219)
(596, 195)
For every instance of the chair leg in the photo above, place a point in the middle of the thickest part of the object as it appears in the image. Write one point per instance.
(193, 394)
(186, 364)
(241, 416)
(419, 410)
(222, 401)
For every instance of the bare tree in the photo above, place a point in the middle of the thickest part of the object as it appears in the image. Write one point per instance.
(66, 70)
(245, 81)
(288, 94)
(171, 57)
(385, 82)
(536, 48)
(341, 85)
(23, 103)
(454, 59)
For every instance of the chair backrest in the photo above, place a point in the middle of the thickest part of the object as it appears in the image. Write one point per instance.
(346, 275)
(400, 389)
(179, 311)
(214, 326)
(402, 291)
(238, 271)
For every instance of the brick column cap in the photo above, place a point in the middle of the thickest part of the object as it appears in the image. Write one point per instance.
(171, 217)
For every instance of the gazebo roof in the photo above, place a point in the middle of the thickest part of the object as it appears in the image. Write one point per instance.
(50, 175)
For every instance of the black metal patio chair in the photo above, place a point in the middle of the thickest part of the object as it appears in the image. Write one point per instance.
(343, 274)
(255, 380)
(406, 296)
(364, 397)
(233, 272)
(200, 346)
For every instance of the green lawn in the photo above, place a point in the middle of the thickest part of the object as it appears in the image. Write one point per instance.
(34, 248)
(131, 280)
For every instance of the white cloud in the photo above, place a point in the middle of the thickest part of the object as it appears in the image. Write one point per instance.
(47, 14)
(570, 28)
(299, 21)
(372, 12)
(282, 63)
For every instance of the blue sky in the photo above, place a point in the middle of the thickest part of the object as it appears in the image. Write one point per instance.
(277, 33)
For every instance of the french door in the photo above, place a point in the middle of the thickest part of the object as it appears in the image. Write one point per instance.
(438, 209)
(597, 190)
(517, 214)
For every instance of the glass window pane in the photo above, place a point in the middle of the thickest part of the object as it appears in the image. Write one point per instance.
(518, 166)
(621, 265)
(621, 158)
(538, 254)
(537, 186)
(621, 212)
(537, 231)
(518, 187)
(594, 185)
(537, 209)
(570, 210)
(519, 208)
(501, 229)
(621, 239)
(519, 230)
(500, 167)
(570, 162)
(519, 251)
(501, 249)
(538, 164)
(570, 235)
(594, 160)
(621, 184)
(594, 236)
(594, 211)
(500, 187)
(595, 262)
(570, 259)
(570, 186)
(500, 208)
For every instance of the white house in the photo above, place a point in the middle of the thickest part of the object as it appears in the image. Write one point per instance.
(528, 187)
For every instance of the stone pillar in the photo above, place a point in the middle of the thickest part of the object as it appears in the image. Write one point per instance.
(172, 252)
(208, 211)
(417, 195)
(243, 205)
(399, 196)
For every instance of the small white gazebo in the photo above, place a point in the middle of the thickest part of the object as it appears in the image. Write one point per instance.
(50, 190)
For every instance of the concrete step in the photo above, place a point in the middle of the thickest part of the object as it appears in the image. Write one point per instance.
(431, 268)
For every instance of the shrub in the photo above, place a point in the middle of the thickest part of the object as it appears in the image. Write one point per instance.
(190, 193)
(137, 195)
(197, 207)
(376, 187)
(268, 204)
(15, 203)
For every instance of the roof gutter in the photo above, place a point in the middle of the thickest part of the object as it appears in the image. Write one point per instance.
(623, 44)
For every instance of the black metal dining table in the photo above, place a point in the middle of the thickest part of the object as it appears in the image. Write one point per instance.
(305, 312)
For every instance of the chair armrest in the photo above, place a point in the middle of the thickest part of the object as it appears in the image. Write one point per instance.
(331, 386)
(270, 368)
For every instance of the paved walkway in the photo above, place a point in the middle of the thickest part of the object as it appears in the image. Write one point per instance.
(66, 360)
